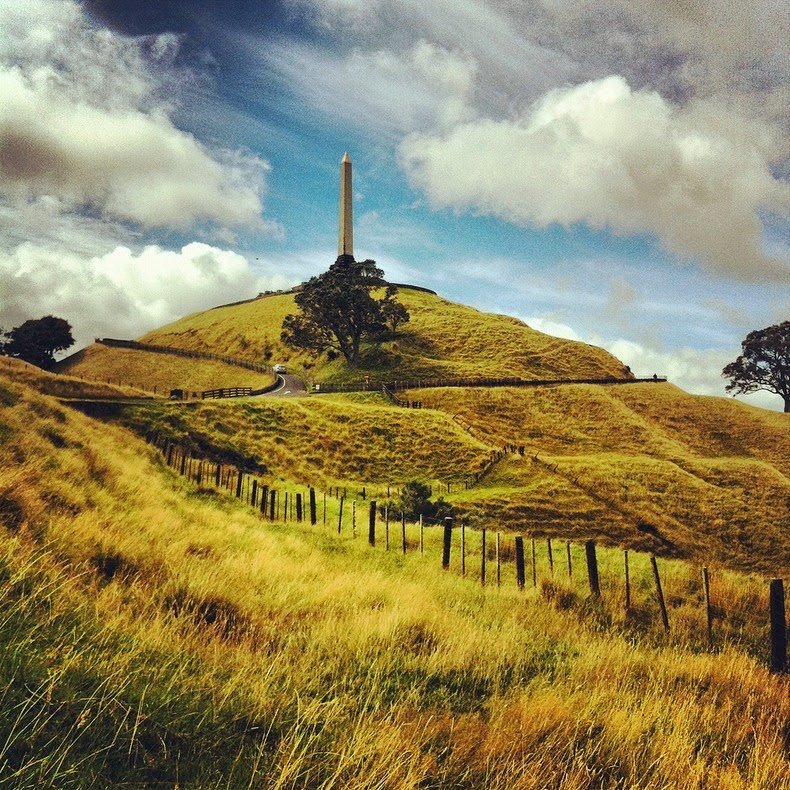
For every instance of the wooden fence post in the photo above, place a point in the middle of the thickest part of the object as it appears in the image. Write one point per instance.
(239, 483)
(340, 516)
(264, 499)
(254, 497)
(534, 566)
(627, 581)
(372, 523)
(403, 531)
(353, 518)
(551, 557)
(387, 527)
(498, 562)
(520, 561)
(568, 555)
(483, 559)
(776, 605)
(448, 536)
(324, 508)
(272, 504)
(313, 514)
(422, 536)
(463, 549)
(286, 507)
(298, 507)
(592, 567)
(708, 611)
(218, 475)
(183, 462)
(659, 593)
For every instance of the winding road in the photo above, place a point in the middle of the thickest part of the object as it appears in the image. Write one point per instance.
(287, 385)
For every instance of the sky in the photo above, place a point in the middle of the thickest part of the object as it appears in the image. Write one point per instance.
(614, 171)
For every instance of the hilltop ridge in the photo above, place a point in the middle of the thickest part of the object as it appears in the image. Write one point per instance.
(442, 339)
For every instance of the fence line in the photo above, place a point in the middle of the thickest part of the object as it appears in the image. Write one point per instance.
(254, 492)
(181, 352)
(399, 385)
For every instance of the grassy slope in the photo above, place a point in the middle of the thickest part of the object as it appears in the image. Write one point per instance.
(328, 440)
(63, 386)
(647, 465)
(147, 370)
(150, 634)
(442, 339)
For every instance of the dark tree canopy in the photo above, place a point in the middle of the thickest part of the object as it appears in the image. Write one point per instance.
(415, 501)
(764, 363)
(337, 311)
(38, 340)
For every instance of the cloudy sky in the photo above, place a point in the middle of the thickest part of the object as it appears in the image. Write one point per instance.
(606, 170)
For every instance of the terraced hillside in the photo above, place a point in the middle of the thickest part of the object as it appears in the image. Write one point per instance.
(155, 633)
(442, 339)
(161, 372)
(644, 464)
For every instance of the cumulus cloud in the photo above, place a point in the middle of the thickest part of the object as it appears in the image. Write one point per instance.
(85, 119)
(605, 155)
(121, 293)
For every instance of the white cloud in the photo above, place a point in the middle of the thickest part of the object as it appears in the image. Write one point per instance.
(121, 293)
(84, 119)
(697, 371)
(393, 93)
(602, 154)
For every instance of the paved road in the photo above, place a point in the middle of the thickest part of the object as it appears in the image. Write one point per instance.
(287, 386)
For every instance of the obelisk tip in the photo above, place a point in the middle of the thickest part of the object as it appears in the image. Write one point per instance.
(346, 158)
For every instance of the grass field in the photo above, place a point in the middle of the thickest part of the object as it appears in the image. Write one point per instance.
(155, 633)
(159, 372)
(442, 339)
(63, 386)
(649, 470)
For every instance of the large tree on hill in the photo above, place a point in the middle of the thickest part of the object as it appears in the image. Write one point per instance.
(38, 340)
(337, 311)
(764, 363)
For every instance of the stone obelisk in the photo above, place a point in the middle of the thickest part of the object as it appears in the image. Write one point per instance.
(345, 243)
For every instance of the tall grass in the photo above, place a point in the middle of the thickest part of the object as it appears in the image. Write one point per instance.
(155, 633)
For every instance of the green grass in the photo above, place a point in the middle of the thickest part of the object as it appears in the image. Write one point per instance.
(155, 633)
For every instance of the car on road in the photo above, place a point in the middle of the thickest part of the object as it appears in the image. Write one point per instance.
(280, 369)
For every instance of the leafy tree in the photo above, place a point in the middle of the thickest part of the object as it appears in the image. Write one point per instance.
(338, 312)
(37, 340)
(764, 363)
(393, 313)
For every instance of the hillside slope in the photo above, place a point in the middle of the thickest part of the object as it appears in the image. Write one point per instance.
(657, 469)
(159, 634)
(158, 372)
(442, 339)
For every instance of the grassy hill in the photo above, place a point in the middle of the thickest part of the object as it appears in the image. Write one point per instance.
(646, 465)
(153, 371)
(651, 470)
(158, 633)
(442, 339)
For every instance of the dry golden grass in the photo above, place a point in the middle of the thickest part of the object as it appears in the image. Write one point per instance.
(327, 440)
(63, 386)
(159, 372)
(645, 465)
(152, 633)
(442, 339)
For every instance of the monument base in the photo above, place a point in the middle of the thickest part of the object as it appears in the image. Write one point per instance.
(343, 261)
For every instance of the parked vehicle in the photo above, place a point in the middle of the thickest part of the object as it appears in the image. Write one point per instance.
(280, 369)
